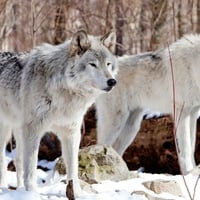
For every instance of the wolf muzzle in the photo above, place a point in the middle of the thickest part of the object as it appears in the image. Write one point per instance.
(111, 83)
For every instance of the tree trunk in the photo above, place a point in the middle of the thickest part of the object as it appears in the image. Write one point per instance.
(3, 29)
(184, 22)
(15, 28)
(143, 27)
(119, 27)
(60, 22)
(159, 16)
(198, 16)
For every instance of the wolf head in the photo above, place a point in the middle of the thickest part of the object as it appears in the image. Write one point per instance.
(94, 65)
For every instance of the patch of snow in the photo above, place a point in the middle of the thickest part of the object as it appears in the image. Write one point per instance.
(51, 187)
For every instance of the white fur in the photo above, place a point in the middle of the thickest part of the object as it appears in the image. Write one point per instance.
(50, 89)
(145, 83)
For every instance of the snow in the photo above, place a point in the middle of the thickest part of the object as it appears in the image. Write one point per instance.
(51, 187)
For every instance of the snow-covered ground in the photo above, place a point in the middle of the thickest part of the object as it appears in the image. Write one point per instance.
(51, 187)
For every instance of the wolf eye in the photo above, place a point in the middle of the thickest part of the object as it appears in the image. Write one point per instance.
(109, 64)
(93, 65)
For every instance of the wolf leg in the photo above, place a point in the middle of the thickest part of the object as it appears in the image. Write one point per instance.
(193, 132)
(31, 141)
(19, 157)
(109, 127)
(185, 150)
(70, 140)
(130, 130)
(5, 136)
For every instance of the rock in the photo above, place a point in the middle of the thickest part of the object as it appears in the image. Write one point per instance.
(60, 166)
(148, 196)
(159, 186)
(133, 174)
(99, 162)
(87, 187)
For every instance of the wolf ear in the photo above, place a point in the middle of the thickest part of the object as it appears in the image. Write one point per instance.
(80, 43)
(109, 40)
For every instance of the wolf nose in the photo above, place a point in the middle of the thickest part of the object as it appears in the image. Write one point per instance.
(111, 82)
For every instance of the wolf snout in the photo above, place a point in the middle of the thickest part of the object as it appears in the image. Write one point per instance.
(111, 82)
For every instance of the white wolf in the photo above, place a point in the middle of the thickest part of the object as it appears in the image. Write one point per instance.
(50, 89)
(145, 82)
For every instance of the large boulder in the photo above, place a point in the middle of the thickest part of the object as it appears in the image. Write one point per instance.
(99, 162)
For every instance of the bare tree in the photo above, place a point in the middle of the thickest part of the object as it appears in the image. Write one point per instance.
(198, 16)
(119, 26)
(143, 26)
(60, 22)
(3, 30)
(184, 23)
(158, 20)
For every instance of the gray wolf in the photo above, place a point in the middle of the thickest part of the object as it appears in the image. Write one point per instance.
(145, 83)
(50, 89)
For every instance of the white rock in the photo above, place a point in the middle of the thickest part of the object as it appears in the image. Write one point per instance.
(160, 186)
(101, 162)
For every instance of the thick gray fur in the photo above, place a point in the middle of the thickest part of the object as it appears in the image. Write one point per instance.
(50, 89)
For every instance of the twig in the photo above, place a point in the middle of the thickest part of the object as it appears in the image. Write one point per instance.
(35, 25)
(44, 18)
(33, 22)
(195, 187)
(173, 83)
(179, 117)
(159, 14)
